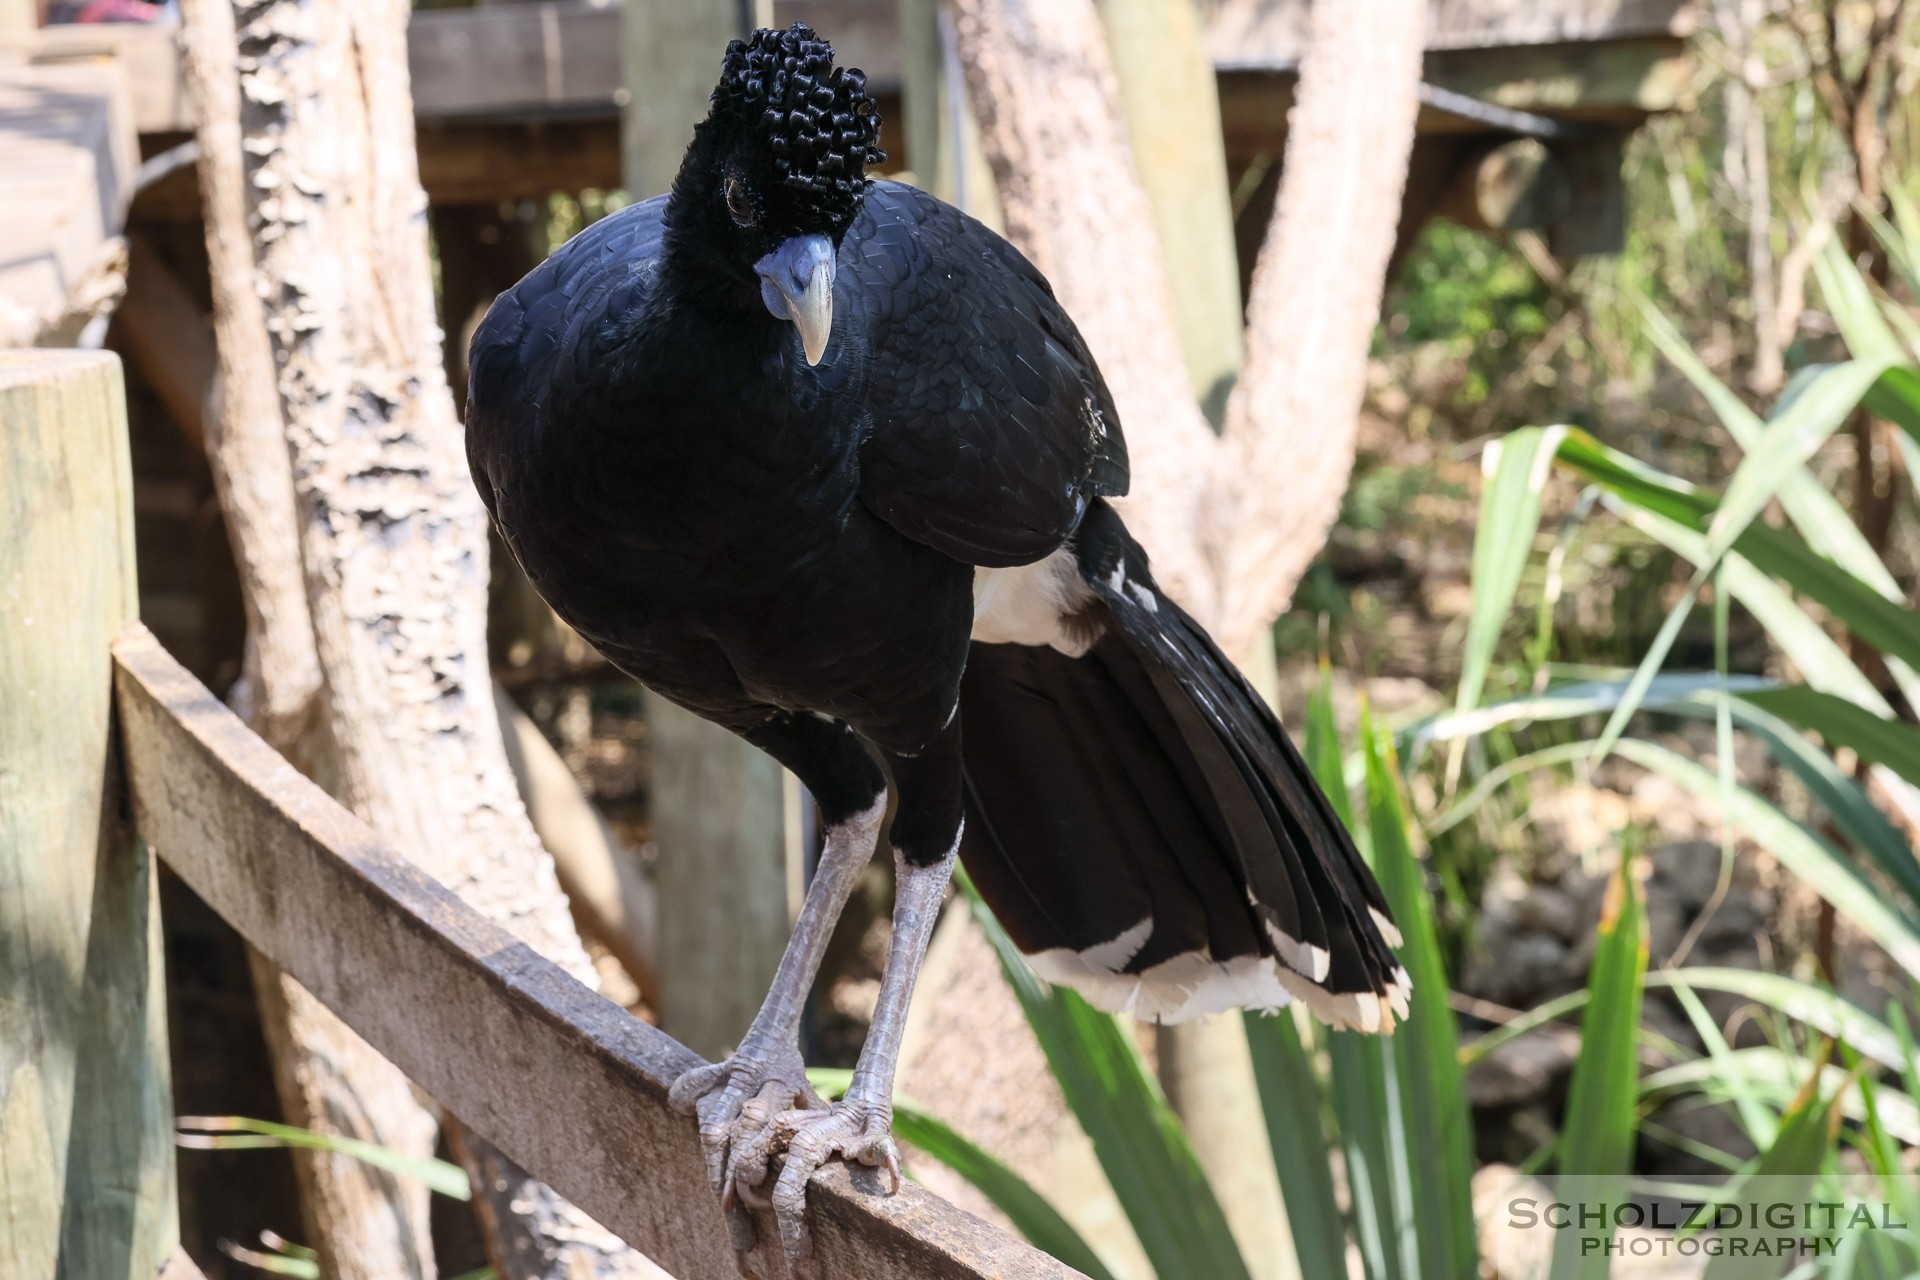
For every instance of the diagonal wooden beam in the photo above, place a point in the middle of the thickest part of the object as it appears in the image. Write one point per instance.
(563, 1080)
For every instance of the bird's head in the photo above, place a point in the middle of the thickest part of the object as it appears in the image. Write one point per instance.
(776, 172)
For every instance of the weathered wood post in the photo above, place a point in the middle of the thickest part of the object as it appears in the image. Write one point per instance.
(718, 808)
(86, 1151)
(17, 17)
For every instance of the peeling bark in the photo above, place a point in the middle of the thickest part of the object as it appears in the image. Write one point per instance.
(1041, 80)
(323, 220)
(1292, 418)
(1232, 522)
(366, 1224)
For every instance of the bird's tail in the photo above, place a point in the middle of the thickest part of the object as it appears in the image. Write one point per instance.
(1146, 832)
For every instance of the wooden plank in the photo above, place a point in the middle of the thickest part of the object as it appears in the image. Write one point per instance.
(1272, 33)
(480, 163)
(526, 61)
(86, 1152)
(18, 16)
(1615, 80)
(558, 61)
(518, 61)
(670, 65)
(1617, 83)
(564, 1081)
(462, 162)
(1170, 96)
(67, 157)
(719, 817)
(145, 50)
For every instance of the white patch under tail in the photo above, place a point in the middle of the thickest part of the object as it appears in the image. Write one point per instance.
(1032, 604)
(1194, 983)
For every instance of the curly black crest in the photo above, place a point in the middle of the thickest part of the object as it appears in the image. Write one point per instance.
(820, 126)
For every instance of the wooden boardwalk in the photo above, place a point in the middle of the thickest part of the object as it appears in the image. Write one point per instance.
(68, 152)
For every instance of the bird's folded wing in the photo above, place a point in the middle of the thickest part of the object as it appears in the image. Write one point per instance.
(554, 329)
(992, 428)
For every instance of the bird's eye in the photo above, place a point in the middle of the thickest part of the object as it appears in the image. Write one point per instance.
(740, 203)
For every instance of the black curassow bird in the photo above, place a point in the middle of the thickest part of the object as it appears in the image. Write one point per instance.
(822, 459)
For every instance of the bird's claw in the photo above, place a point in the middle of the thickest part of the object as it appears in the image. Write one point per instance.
(734, 1101)
(753, 1109)
(851, 1130)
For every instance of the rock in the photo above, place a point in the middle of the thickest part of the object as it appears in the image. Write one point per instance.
(1505, 890)
(1549, 909)
(1508, 1249)
(1513, 972)
(1734, 1014)
(1573, 823)
(1688, 870)
(1661, 1016)
(1739, 919)
(1708, 1124)
(1523, 1070)
(1658, 802)
(1666, 924)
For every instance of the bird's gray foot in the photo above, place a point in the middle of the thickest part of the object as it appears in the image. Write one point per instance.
(735, 1102)
(848, 1130)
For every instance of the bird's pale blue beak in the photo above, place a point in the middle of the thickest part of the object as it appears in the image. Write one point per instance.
(796, 283)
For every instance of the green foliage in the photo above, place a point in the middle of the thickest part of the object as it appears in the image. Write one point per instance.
(1399, 1102)
(1596, 1146)
(1805, 1143)
(1290, 1097)
(1474, 297)
(1425, 1050)
(1820, 556)
(1290, 1090)
(241, 1133)
(1845, 724)
(1396, 1108)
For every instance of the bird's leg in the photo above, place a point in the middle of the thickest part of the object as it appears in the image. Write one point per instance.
(858, 1126)
(926, 838)
(765, 1076)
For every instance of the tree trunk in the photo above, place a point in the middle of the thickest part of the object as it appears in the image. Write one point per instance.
(718, 807)
(1171, 96)
(611, 901)
(390, 530)
(366, 1224)
(1292, 419)
(1167, 86)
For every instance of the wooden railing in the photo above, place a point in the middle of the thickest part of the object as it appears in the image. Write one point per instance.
(102, 735)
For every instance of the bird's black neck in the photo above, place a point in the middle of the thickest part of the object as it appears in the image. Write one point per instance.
(695, 273)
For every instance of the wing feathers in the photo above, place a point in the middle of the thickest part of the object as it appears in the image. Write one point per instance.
(1146, 781)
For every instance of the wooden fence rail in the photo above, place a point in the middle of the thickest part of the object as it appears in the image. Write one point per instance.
(564, 1081)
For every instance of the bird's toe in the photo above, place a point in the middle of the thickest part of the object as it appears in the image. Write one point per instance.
(756, 1138)
(689, 1087)
(734, 1100)
(849, 1130)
